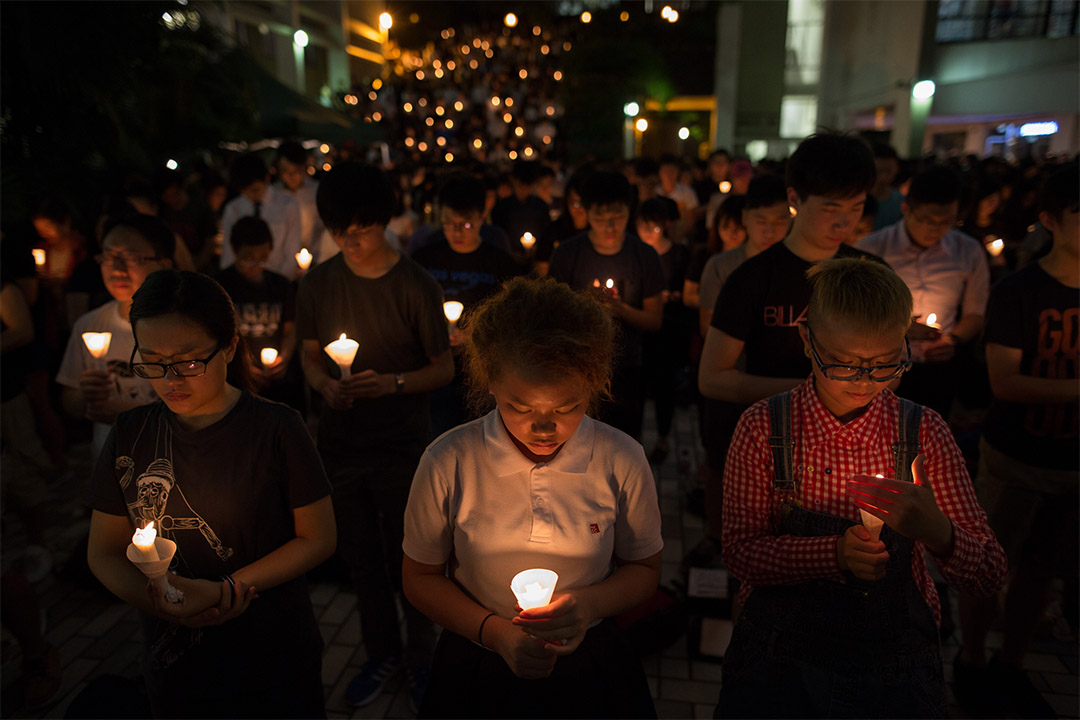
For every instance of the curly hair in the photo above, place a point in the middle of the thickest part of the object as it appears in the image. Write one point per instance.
(542, 329)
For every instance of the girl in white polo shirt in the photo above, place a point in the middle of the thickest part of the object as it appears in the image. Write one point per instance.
(534, 483)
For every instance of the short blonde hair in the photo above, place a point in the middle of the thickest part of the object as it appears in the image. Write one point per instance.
(861, 293)
(541, 327)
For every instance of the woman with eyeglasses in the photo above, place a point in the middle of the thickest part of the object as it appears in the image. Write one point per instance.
(235, 481)
(836, 494)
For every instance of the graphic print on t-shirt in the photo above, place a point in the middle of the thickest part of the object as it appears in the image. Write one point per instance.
(1056, 352)
(153, 489)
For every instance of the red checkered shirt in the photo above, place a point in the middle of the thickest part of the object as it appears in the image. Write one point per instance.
(827, 454)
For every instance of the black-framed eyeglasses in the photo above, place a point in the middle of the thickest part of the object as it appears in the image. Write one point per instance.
(458, 227)
(851, 373)
(183, 368)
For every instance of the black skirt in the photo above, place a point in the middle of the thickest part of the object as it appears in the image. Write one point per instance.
(603, 678)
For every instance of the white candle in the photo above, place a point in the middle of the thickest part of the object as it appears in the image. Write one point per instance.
(143, 540)
(527, 241)
(98, 344)
(268, 356)
(872, 522)
(533, 588)
(452, 309)
(303, 259)
(39, 256)
(995, 246)
(343, 351)
(931, 321)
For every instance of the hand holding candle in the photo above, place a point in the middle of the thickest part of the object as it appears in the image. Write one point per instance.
(872, 523)
(152, 555)
(343, 351)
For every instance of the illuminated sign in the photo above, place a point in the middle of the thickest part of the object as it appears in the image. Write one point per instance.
(1035, 129)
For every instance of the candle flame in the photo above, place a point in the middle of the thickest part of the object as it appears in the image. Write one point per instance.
(144, 537)
(39, 256)
(931, 319)
(609, 284)
(97, 342)
(725, 187)
(995, 247)
(527, 240)
(452, 309)
(268, 355)
(303, 259)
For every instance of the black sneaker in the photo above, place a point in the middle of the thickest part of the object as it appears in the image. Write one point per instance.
(1020, 697)
(370, 681)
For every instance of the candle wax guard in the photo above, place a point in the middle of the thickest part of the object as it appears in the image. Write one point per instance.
(156, 570)
(533, 588)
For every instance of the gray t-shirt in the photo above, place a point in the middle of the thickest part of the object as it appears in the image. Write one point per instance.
(398, 321)
(716, 272)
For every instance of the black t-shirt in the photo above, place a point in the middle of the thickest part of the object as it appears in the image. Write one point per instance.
(516, 217)
(635, 269)
(399, 323)
(763, 302)
(1032, 311)
(557, 230)
(699, 255)
(467, 277)
(225, 495)
(262, 309)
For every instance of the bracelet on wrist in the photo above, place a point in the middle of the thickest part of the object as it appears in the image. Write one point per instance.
(480, 633)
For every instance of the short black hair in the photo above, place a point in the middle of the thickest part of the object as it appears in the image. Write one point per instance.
(294, 152)
(646, 167)
(870, 207)
(52, 208)
(1060, 191)
(247, 169)
(354, 194)
(719, 151)
(655, 210)
(936, 185)
(885, 151)
(604, 188)
(166, 178)
(669, 159)
(250, 231)
(766, 191)
(154, 231)
(463, 194)
(525, 171)
(831, 164)
(731, 209)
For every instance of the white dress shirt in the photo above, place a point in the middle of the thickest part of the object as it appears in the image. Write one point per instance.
(282, 213)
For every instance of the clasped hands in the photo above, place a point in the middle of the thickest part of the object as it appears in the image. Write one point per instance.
(908, 508)
(531, 642)
(205, 602)
(339, 394)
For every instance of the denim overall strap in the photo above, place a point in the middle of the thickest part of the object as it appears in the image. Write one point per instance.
(907, 447)
(841, 649)
(782, 443)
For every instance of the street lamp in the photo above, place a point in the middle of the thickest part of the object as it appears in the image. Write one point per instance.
(631, 109)
(510, 20)
(684, 133)
(300, 41)
(923, 90)
(386, 21)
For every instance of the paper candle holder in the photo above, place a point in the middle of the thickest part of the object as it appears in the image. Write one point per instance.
(534, 587)
(343, 351)
(155, 570)
(268, 356)
(303, 259)
(97, 344)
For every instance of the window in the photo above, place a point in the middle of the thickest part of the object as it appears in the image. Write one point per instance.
(973, 20)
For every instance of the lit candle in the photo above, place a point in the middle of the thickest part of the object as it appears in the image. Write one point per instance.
(609, 284)
(143, 540)
(343, 351)
(268, 356)
(725, 187)
(533, 588)
(527, 241)
(97, 343)
(995, 246)
(872, 522)
(303, 259)
(931, 321)
(452, 309)
(39, 256)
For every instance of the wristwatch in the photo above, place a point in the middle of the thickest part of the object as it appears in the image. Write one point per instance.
(399, 383)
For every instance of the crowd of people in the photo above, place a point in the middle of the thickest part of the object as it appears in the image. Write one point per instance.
(868, 343)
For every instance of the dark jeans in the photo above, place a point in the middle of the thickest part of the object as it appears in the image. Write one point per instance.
(370, 494)
(603, 678)
(830, 649)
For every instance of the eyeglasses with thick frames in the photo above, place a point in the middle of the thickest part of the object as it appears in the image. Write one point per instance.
(182, 368)
(851, 373)
(457, 227)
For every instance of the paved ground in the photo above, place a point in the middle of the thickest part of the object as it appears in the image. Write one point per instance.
(97, 635)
